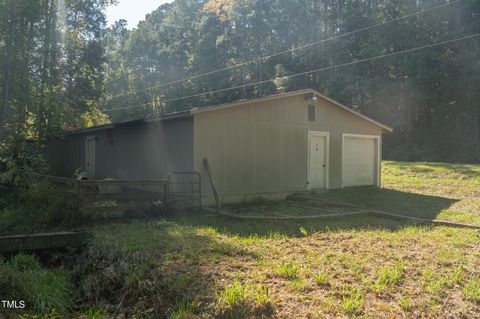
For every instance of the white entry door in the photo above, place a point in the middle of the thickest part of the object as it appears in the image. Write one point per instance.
(90, 144)
(317, 164)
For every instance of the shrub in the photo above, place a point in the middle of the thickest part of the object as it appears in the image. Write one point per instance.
(37, 206)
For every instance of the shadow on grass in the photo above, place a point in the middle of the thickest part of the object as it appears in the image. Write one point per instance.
(289, 228)
(392, 201)
(370, 197)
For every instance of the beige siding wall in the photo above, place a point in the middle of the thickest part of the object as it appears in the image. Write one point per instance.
(261, 148)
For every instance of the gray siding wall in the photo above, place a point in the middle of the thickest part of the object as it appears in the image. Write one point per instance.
(261, 148)
(65, 155)
(142, 151)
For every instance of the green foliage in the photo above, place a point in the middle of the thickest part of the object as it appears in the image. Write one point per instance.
(23, 278)
(35, 206)
(304, 231)
(428, 96)
(59, 72)
(52, 70)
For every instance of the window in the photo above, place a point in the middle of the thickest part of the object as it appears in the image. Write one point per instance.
(311, 113)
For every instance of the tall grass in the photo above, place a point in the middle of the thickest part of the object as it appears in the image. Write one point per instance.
(23, 278)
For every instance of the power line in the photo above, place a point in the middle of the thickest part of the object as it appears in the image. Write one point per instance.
(127, 107)
(319, 70)
(304, 46)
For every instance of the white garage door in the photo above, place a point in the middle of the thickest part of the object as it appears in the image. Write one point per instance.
(359, 164)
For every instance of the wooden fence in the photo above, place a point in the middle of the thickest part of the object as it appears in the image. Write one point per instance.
(102, 196)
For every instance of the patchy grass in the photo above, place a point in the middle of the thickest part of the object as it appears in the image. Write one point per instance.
(202, 265)
(472, 290)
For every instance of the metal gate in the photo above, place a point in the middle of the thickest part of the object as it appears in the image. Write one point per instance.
(184, 190)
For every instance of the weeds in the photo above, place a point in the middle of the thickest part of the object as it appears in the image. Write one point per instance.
(262, 296)
(242, 300)
(435, 282)
(352, 300)
(322, 278)
(184, 310)
(288, 269)
(471, 290)
(95, 313)
(405, 304)
(389, 276)
(235, 294)
(299, 284)
(304, 231)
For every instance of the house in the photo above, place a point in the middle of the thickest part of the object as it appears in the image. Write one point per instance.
(269, 146)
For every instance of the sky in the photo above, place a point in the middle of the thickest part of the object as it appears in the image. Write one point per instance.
(132, 10)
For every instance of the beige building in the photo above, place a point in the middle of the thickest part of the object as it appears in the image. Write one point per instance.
(270, 146)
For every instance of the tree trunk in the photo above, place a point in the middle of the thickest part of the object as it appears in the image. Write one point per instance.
(42, 116)
(8, 70)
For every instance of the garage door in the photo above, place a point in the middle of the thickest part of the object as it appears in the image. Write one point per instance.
(359, 164)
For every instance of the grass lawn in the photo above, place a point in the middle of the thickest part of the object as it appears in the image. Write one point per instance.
(201, 265)
(208, 266)
(430, 190)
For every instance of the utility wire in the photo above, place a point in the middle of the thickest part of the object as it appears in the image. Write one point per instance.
(304, 46)
(476, 35)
